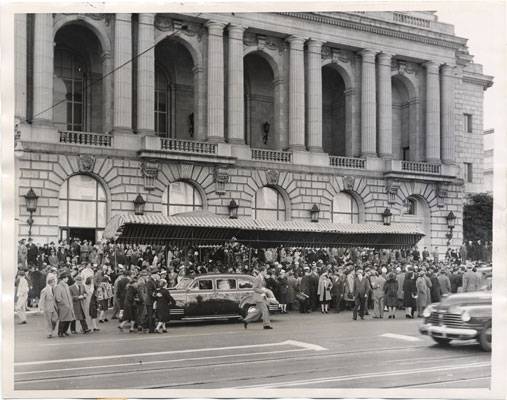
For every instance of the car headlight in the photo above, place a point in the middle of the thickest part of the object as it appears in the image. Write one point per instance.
(427, 311)
(465, 316)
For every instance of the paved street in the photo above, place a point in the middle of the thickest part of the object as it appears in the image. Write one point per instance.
(303, 351)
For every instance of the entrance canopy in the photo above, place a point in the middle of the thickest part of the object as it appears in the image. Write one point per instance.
(209, 229)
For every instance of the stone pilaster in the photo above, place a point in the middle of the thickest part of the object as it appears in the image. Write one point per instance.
(215, 81)
(296, 93)
(384, 98)
(368, 104)
(20, 65)
(122, 117)
(43, 69)
(314, 95)
(235, 100)
(146, 75)
(432, 113)
(447, 115)
(107, 92)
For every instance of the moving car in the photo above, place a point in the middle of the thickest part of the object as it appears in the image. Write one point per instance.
(214, 296)
(460, 316)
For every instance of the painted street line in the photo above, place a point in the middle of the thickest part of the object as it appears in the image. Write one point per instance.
(159, 353)
(303, 382)
(401, 337)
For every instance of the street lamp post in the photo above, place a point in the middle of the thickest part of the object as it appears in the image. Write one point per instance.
(451, 223)
(387, 216)
(31, 207)
(139, 203)
(314, 213)
(233, 209)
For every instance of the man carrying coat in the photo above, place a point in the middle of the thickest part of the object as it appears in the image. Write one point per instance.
(64, 305)
(261, 300)
(78, 293)
(47, 306)
(362, 289)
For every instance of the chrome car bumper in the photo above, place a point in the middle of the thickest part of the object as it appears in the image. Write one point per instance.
(446, 332)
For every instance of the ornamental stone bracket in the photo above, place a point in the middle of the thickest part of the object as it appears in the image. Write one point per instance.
(263, 42)
(272, 176)
(86, 163)
(348, 183)
(442, 194)
(221, 176)
(392, 188)
(150, 170)
(403, 67)
(336, 55)
(164, 23)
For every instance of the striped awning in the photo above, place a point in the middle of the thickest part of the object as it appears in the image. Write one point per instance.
(210, 229)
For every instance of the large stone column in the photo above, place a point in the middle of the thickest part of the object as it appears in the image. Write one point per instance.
(384, 98)
(296, 93)
(20, 66)
(314, 91)
(122, 119)
(43, 70)
(447, 113)
(432, 113)
(199, 103)
(146, 75)
(215, 81)
(235, 100)
(107, 92)
(368, 104)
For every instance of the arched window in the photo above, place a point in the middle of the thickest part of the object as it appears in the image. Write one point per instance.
(269, 204)
(181, 197)
(162, 104)
(345, 209)
(82, 208)
(411, 206)
(71, 74)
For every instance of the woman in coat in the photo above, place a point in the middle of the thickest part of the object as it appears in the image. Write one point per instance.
(93, 304)
(283, 291)
(164, 303)
(324, 292)
(391, 294)
(130, 305)
(422, 294)
(64, 305)
(293, 289)
(409, 294)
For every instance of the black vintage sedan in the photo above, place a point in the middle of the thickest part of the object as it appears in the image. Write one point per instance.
(460, 316)
(214, 296)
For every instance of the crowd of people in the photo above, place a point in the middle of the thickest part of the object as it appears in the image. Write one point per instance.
(76, 280)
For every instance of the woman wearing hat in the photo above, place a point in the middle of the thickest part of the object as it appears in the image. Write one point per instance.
(391, 294)
(164, 303)
(324, 292)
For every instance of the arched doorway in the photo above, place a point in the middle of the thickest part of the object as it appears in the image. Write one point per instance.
(174, 91)
(260, 127)
(417, 212)
(82, 208)
(77, 64)
(333, 112)
(180, 197)
(269, 205)
(404, 120)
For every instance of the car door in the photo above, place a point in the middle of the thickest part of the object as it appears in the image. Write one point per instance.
(226, 297)
(200, 296)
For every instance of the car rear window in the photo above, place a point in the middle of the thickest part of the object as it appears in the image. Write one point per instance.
(226, 284)
(244, 283)
(203, 284)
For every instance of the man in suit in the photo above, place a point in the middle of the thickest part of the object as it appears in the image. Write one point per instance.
(47, 306)
(151, 288)
(261, 301)
(362, 289)
(78, 293)
(471, 281)
(64, 305)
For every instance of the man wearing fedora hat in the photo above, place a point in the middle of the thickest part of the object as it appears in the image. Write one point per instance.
(78, 293)
(63, 300)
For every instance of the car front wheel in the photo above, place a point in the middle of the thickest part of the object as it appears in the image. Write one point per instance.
(441, 341)
(485, 337)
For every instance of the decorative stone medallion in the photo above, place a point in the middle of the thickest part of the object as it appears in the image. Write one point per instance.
(272, 176)
(86, 163)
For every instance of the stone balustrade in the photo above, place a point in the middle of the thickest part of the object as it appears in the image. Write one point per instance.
(86, 138)
(347, 162)
(188, 146)
(411, 20)
(420, 167)
(272, 155)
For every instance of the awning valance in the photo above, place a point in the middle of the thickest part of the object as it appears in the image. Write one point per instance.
(212, 230)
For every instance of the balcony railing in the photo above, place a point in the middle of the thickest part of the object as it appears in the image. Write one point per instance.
(272, 155)
(188, 146)
(86, 138)
(409, 19)
(347, 162)
(421, 167)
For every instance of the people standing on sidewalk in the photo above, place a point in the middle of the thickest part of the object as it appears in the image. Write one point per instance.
(64, 306)
(391, 294)
(47, 306)
(362, 289)
(283, 290)
(78, 293)
(21, 295)
(305, 289)
(324, 292)
(410, 292)
(378, 283)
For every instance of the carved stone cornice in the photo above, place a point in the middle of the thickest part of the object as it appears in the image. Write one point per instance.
(336, 55)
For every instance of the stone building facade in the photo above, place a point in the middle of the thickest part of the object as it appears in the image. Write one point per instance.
(352, 112)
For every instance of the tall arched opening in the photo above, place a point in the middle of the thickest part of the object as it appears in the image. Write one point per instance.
(333, 112)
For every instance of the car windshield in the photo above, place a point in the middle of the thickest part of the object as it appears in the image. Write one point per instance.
(183, 284)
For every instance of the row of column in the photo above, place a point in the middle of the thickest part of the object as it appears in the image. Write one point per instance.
(375, 96)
